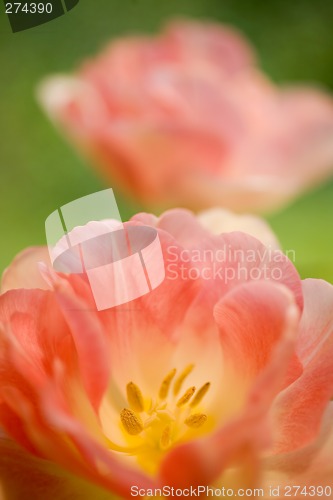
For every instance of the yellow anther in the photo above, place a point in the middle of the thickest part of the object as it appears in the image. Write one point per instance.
(186, 397)
(131, 422)
(134, 397)
(200, 394)
(165, 440)
(152, 424)
(196, 420)
(179, 381)
(165, 386)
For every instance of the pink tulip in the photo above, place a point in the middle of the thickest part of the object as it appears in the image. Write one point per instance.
(188, 119)
(221, 381)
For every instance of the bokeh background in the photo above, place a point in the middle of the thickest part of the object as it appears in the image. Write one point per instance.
(39, 171)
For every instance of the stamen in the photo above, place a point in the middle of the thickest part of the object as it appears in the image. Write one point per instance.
(186, 397)
(179, 381)
(196, 420)
(134, 397)
(124, 449)
(131, 422)
(165, 438)
(162, 420)
(165, 386)
(200, 394)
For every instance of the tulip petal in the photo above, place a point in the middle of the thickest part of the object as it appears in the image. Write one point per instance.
(299, 410)
(310, 465)
(23, 272)
(150, 324)
(219, 44)
(99, 464)
(24, 476)
(203, 461)
(181, 224)
(219, 220)
(251, 320)
(187, 118)
(40, 403)
(89, 339)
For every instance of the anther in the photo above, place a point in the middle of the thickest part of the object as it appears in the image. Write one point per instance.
(134, 397)
(131, 422)
(200, 394)
(165, 386)
(179, 381)
(196, 420)
(185, 397)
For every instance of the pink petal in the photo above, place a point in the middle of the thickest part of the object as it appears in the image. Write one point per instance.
(309, 465)
(247, 193)
(219, 220)
(23, 272)
(219, 44)
(186, 118)
(39, 410)
(244, 259)
(90, 341)
(24, 476)
(182, 224)
(26, 316)
(188, 228)
(101, 466)
(150, 324)
(201, 462)
(251, 320)
(299, 410)
(311, 127)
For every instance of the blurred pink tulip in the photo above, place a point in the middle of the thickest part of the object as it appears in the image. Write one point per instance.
(187, 119)
(218, 381)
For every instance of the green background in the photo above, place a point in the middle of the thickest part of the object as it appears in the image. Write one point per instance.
(39, 171)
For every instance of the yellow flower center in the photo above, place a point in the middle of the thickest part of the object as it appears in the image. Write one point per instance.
(151, 426)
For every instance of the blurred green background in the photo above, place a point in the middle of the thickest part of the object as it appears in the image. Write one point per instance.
(39, 171)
